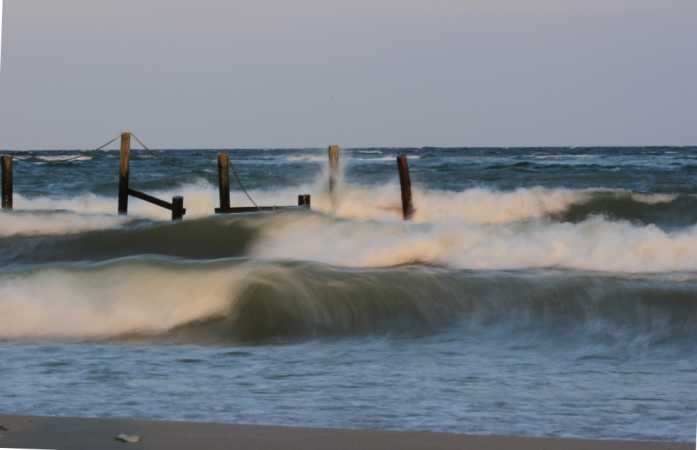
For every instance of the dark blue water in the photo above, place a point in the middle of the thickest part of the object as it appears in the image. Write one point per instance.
(651, 169)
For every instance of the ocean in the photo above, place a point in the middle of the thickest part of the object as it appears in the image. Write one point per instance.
(536, 292)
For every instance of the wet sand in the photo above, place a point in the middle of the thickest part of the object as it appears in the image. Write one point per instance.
(98, 434)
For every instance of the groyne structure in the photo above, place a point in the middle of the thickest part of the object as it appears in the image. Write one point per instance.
(176, 205)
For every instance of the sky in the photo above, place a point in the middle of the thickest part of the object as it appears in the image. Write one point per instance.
(309, 73)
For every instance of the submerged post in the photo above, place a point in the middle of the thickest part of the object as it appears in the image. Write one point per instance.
(224, 180)
(405, 183)
(6, 182)
(333, 168)
(178, 210)
(123, 172)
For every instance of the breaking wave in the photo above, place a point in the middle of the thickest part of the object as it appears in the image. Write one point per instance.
(595, 244)
(382, 203)
(250, 301)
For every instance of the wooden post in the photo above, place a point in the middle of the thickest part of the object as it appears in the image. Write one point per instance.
(123, 172)
(304, 201)
(224, 180)
(178, 210)
(6, 182)
(333, 168)
(405, 183)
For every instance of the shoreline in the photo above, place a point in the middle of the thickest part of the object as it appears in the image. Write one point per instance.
(95, 434)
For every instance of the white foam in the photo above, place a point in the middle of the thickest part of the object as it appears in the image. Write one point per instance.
(55, 158)
(307, 158)
(200, 200)
(104, 302)
(595, 244)
(356, 202)
(654, 199)
(476, 205)
(380, 158)
(51, 223)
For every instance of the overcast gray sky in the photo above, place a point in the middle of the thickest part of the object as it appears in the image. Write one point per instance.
(289, 73)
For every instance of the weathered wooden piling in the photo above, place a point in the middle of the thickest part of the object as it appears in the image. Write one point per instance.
(123, 172)
(177, 205)
(178, 210)
(6, 182)
(224, 180)
(305, 201)
(333, 168)
(405, 183)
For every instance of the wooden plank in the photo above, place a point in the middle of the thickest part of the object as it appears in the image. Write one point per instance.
(150, 199)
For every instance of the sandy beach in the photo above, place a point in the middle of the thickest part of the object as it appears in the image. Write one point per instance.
(97, 434)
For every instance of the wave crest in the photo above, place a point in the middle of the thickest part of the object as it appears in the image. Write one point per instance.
(237, 301)
(382, 203)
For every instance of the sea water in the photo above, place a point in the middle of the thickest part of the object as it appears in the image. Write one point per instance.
(537, 291)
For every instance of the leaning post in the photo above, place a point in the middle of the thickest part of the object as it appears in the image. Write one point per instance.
(123, 172)
(6, 182)
(224, 180)
(333, 168)
(405, 183)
